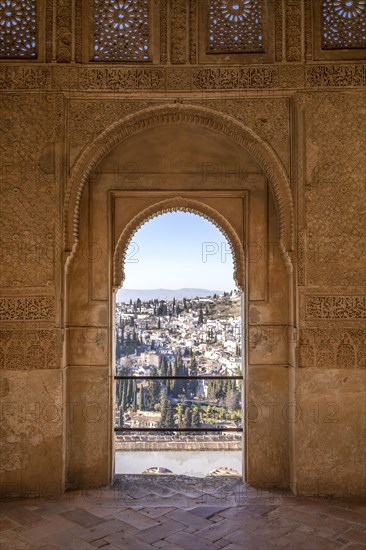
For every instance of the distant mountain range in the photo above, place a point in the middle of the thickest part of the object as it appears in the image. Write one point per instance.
(125, 295)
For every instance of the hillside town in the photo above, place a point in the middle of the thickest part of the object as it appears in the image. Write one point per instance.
(186, 337)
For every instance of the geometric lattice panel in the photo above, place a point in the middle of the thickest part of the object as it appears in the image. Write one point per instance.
(121, 30)
(18, 29)
(344, 24)
(235, 26)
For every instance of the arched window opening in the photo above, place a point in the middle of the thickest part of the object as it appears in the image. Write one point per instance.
(178, 370)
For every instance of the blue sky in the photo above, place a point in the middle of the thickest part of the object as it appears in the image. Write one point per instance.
(179, 250)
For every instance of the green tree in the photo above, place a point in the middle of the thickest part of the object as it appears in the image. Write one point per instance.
(153, 389)
(187, 419)
(174, 384)
(232, 400)
(193, 371)
(163, 366)
(196, 418)
(141, 406)
(170, 415)
(200, 315)
(167, 413)
(170, 383)
(124, 395)
(121, 418)
(129, 396)
(134, 396)
(179, 415)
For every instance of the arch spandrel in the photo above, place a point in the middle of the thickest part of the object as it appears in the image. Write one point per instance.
(93, 154)
(182, 205)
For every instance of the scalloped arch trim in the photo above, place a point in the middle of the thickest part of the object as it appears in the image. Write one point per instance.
(96, 150)
(183, 205)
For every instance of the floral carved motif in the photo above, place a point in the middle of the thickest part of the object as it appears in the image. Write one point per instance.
(308, 24)
(333, 348)
(49, 16)
(88, 78)
(178, 31)
(301, 257)
(291, 76)
(278, 12)
(220, 78)
(40, 308)
(335, 307)
(193, 31)
(64, 30)
(269, 118)
(293, 30)
(322, 76)
(87, 118)
(178, 78)
(25, 78)
(126, 79)
(30, 124)
(29, 349)
(334, 185)
(163, 31)
(78, 30)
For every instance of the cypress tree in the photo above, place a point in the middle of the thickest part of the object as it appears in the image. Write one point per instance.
(124, 395)
(187, 419)
(200, 316)
(134, 396)
(169, 419)
(163, 411)
(174, 387)
(196, 418)
(141, 405)
(121, 419)
(163, 366)
(129, 396)
(179, 416)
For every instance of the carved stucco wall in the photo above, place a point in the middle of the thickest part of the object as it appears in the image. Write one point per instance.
(30, 349)
(332, 302)
(310, 114)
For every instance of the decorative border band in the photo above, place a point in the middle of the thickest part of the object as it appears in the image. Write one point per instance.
(38, 308)
(335, 307)
(187, 78)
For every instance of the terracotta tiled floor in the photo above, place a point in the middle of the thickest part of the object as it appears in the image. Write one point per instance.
(150, 512)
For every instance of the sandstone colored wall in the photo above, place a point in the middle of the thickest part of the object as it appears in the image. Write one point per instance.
(306, 339)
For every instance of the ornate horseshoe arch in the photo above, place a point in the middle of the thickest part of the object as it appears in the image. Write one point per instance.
(173, 205)
(94, 280)
(94, 152)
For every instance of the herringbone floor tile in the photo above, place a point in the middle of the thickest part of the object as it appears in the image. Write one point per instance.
(179, 513)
